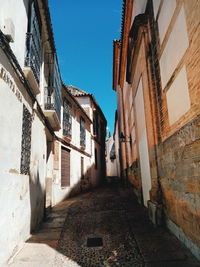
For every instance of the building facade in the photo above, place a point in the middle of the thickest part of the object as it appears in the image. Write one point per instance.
(97, 130)
(112, 153)
(156, 77)
(46, 135)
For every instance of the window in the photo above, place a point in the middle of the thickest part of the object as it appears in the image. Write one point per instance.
(67, 118)
(96, 158)
(26, 142)
(82, 132)
(33, 42)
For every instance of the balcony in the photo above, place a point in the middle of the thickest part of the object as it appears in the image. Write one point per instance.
(52, 107)
(33, 61)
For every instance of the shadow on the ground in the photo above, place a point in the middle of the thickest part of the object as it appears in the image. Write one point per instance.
(113, 215)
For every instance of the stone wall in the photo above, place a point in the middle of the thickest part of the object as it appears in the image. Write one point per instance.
(179, 170)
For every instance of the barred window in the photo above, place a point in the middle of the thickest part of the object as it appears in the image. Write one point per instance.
(67, 118)
(33, 42)
(52, 93)
(82, 132)
(26, 142)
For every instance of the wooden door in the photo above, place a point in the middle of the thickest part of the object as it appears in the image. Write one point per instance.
(65, 167)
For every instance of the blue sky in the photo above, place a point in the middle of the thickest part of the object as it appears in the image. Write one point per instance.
(84, 31)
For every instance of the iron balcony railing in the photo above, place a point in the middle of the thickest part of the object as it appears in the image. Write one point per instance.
(33, 54)
(52, 100)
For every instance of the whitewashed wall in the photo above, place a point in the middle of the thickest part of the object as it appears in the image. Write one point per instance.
(117, 147)
(59, 193)
(18, 193)
(111, 165)
(139, 7)
(96, 173)
(143, 143)
(21, 196)
(17, 11)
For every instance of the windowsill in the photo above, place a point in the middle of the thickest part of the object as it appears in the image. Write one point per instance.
(82, 148)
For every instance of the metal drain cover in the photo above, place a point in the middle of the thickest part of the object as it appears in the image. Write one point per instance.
(94, 242)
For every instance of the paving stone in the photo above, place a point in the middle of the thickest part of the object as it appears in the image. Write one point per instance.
(113, 214)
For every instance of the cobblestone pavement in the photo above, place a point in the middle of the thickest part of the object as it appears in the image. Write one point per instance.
(125, 237)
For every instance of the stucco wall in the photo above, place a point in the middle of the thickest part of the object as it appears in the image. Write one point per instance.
(37, 172)
(21, 196)
(111, 164)
(60, 193)
(139, 7)
(8, 11)
(143, 143)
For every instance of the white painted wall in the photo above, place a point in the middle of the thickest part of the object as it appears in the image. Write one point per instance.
(111, 165)
(164, 19)
(9, 9)
(37, 171)
(117, 147)
(156, 5)
(139, 7)
(178, 99)
(142, 143)
(22, 197)
(175, 49)
(59, 193)
(94, 175)
(86, 102)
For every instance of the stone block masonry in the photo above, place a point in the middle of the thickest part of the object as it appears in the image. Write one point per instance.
(179, 168)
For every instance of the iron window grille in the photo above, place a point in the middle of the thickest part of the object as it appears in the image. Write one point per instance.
(67, 118)
(82, 132)
(26, 142)
(33, 43)
(52, 93)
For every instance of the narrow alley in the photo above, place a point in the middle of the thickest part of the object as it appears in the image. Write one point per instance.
(103, 227)
(100, 136)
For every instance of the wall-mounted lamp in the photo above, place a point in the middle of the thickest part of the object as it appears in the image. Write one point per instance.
(123, 138)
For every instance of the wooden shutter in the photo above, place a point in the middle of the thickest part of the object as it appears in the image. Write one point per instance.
(65, 167)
